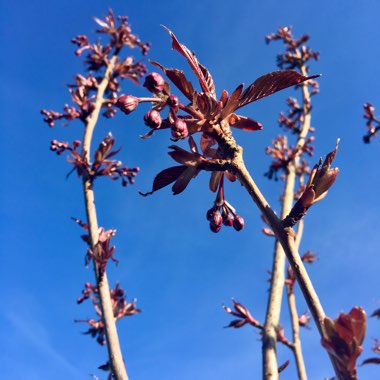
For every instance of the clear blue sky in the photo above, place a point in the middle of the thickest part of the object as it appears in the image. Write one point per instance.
(178, 270)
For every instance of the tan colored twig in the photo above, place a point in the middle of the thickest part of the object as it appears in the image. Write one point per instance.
(297, 347)
(113, 345)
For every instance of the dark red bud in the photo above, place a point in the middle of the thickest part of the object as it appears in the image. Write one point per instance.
(173, 101)
(153, 119)
(179, 129)
(215, 228)
(76, 143)
(238, 223)
(127, 103)
(154, 83)
(228, 220)
(216, 220)
(210, 213)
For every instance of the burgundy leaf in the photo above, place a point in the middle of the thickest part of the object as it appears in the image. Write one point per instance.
(371, 361)
(179, 80)
(184, 157)
(207, 143)
(232, 102)
(376, 313)
(113, 153)
(237, 323)
(184, 179)
(208, 79)
(244, 123)
(283, 366)
(200, 71)
(271, 83)
(224, 97)
(166, 177)
(192, 144)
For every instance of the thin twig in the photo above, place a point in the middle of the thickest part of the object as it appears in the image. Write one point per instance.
(298, 356)
(270, 364)
(113, 345)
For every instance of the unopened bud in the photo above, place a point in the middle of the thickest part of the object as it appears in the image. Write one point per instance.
(153, 119)
(216, 221)
(127, 103)
(210, 213)
(179, 129)
(214, 228)
(173, 101)
(154, 82)
(228, 220)
(238, 223)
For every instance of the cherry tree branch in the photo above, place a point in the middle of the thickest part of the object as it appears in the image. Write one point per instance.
(113, 345)
(285, 235)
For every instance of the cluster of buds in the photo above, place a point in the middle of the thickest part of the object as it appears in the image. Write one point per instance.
(372, 123)
(283, 154)
(102, 251)
(83, 91)
(206, 114)
(162, 98)
(297, 54)
(102, 165)
(87, 291)
(222, 213)
(120, 307)
(293, 120)
(343, 338)
(243, 315)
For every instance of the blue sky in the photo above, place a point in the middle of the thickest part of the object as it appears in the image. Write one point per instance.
(178, 270)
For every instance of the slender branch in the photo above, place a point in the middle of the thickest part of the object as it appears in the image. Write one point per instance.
(113, 345)
(270, 364)
(285, 235)
(300, 363)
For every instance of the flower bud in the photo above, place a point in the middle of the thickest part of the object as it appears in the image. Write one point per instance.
(210, 213)
(154, 83)
(127, 103)
(173, 101)
(216, 221)
(238, 223)
(179, 129)
(214, 228)
(153, 119)
(228, 220)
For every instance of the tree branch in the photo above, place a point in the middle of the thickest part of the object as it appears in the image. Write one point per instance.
(113, 345)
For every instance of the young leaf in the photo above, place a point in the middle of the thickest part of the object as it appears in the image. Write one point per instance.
(271, 83)
(165, 177)
(232, 102)
(179, 80)
(205, 78)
